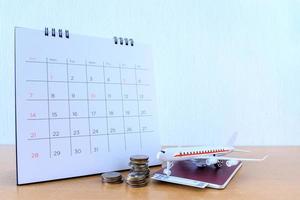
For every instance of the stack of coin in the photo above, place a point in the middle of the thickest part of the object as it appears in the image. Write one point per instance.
(112, 177)
(139, 173)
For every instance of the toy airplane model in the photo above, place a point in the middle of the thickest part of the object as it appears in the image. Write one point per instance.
(202, 155)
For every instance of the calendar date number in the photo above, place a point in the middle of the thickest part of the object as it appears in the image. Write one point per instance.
(35, 155)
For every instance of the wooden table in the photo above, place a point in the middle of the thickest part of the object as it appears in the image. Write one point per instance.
(278, 177)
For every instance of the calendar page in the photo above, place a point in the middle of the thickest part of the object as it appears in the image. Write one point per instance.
(83, 104)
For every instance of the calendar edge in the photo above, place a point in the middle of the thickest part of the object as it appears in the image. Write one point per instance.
(15, 88)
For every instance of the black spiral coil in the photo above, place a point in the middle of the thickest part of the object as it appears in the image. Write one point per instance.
(60, 33)
(123, 41)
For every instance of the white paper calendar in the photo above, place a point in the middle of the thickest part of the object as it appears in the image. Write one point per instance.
(83, 104)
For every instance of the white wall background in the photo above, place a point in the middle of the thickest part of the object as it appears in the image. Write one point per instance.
(220, 66)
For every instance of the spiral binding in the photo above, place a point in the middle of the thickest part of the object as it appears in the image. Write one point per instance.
(123, 41)
(66, 34)
(60, 32)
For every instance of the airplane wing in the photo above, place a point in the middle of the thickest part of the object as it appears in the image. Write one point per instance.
(241, 159)
(241, 150)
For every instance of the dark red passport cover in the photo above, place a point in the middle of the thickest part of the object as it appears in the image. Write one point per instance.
(216, 178)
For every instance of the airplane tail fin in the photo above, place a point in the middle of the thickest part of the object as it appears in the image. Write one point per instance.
(232, 139)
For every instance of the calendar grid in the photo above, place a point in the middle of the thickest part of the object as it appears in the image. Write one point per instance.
(69, 108)
(117, 116)
(108, 145)
(88, 106)
(138, 107)
(95, 135)
(78, 64)
(136, 82)
(87, 99)
(96, 82)
(123, 118)
(48, 104)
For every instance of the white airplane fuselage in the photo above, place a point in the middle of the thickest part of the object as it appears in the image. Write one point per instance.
(187, 153)
(202, 155)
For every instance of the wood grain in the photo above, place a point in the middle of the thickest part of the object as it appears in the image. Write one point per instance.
(278, 177)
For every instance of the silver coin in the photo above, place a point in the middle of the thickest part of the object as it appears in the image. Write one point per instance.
(111, 177)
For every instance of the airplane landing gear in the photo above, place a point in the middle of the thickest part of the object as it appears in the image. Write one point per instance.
(219, 164)
(167, 171)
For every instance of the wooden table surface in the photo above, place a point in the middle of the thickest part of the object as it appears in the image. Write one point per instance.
(278, 177)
